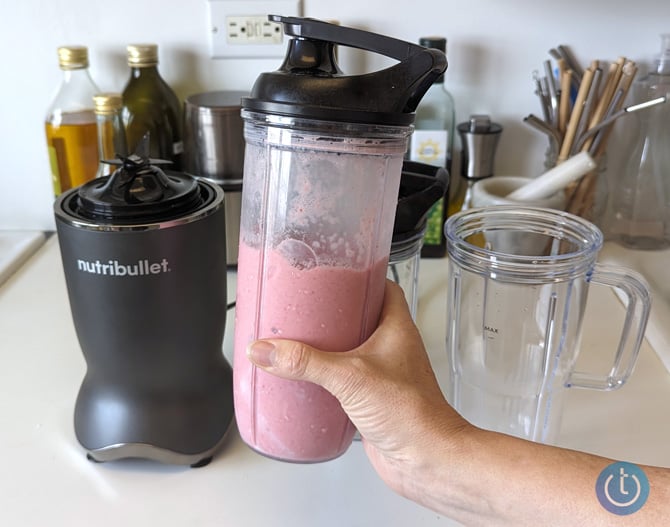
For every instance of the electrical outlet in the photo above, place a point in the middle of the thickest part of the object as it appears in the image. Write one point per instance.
(254, 29)
(240, 28)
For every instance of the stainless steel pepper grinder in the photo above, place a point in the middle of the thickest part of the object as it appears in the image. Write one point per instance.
(479, 140)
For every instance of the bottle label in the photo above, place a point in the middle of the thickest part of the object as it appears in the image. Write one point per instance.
(429, 146)
(434, 225)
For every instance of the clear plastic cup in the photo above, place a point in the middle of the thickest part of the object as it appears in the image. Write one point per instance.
(519, 278)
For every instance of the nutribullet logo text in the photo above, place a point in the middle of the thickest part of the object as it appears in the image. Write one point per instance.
(116, 268)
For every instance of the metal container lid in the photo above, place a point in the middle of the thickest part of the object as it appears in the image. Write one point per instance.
(217, 101)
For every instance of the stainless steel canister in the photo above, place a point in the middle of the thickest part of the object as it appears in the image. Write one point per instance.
(214, 149)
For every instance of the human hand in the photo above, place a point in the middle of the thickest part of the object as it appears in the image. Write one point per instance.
(386, 386)
(425, 451)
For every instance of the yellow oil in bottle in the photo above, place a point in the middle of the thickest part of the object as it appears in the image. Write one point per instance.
(106, 148)
(458, 203)
(73, 150)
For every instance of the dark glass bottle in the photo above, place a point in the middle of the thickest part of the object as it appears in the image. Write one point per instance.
(150, 105)
(432, 143)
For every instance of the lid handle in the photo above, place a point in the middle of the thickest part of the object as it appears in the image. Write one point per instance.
(420, 66)
(346, 36)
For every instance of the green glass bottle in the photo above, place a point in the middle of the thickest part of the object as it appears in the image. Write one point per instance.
(150, 105)
(432, 143)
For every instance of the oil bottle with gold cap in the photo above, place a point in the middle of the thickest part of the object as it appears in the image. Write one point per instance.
(70, 124)
(150, 105)
(111, 132)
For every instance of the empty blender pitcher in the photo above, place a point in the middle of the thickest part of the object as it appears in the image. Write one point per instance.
(518, 284)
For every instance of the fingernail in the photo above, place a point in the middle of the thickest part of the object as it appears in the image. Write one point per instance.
(261, 352)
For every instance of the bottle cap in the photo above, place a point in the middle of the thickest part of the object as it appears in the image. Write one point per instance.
(140, 55)
(435, 43)
(73, 57)
(107, 103)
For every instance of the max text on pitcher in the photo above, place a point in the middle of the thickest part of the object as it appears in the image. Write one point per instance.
(116, 268)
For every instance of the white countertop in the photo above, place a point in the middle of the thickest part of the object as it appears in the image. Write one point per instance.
(15, 248)
(47, 480)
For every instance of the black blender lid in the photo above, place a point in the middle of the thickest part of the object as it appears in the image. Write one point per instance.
(310, 83)
(421, 185)
(138, 190)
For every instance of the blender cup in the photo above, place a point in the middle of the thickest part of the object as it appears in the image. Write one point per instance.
(519, 279)
(421, 185)
(324, 153)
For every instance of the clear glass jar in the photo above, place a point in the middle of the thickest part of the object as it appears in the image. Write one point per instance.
(640, 217)
(70, 125)
(111, 132)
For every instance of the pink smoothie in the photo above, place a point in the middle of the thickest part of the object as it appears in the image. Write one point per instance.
(324, 306)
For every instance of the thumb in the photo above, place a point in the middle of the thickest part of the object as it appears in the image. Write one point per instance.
(293, 360)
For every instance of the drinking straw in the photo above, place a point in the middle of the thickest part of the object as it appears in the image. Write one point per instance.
(553, 95)
(585, 124)
(575, 115)
(588, 106)
(564, 103)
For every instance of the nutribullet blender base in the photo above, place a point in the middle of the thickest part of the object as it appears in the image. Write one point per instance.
(148, 301)
(111, 425)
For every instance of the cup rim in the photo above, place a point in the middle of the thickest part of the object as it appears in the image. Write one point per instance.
(585, 237)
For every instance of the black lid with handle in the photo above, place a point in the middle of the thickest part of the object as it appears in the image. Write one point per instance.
(421, 185)
(310, 84)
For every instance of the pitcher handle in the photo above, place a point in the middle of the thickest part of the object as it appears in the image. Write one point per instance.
(638, 305)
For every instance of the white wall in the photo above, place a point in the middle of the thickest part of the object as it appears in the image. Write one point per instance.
(494, 46)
